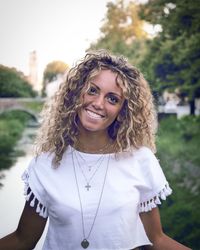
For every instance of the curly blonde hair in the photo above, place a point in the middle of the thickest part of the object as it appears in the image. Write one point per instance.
(135, 125)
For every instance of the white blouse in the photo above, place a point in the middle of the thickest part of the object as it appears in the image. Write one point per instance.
(134, 183)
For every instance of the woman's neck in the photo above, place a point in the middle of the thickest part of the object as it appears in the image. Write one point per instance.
(94, 142)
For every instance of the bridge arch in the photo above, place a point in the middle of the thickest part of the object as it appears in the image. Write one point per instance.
(34, 116)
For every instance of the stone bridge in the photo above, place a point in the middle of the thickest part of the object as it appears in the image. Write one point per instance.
(22, 104)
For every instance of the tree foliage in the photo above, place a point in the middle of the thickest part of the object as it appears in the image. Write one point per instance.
(53, 69)
(14, 84)
(122, 31)
(178, 151)
(173, 59)
(122, 22)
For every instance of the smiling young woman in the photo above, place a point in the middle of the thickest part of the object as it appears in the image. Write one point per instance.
(95, 175)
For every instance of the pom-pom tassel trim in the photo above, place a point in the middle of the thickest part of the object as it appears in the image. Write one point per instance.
(29, 196)
(152, 203)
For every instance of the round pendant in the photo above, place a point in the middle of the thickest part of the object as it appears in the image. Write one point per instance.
(85, 243)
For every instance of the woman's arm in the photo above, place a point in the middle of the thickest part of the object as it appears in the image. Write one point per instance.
(153, 228)
(29, 231)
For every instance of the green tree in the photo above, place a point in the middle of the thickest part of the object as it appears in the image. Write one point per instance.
(53, 69)
(122, 31)
(173, 59)
(14, 84)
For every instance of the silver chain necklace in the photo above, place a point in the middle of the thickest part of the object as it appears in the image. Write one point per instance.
(90, 166)
(85, 243)
(88, 180)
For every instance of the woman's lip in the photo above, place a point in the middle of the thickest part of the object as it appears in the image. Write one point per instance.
(93, 114)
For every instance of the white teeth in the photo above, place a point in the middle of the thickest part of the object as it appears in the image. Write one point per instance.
(94, 115)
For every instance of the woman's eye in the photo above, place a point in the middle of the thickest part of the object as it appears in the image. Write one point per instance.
(92, 91)
(113, 99)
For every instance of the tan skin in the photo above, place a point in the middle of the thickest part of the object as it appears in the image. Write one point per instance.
(99, 110)
(28, 232)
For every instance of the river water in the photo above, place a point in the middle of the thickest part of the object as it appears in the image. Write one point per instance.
(12, 192)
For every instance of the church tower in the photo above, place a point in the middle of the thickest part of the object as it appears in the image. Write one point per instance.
(33, 71)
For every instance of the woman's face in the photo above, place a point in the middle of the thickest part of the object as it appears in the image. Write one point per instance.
(102, 102)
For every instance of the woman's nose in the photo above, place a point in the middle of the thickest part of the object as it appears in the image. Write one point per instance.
(98, 102)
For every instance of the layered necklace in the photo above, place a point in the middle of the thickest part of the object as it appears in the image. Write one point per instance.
(85, 242)
(89, 175)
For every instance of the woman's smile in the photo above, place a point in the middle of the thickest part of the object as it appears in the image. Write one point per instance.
(94, 115)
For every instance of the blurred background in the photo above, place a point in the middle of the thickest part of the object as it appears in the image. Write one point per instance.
(40, 40)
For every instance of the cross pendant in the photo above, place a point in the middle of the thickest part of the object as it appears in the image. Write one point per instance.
(88, 186)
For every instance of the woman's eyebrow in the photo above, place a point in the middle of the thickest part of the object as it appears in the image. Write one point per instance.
(95, 85)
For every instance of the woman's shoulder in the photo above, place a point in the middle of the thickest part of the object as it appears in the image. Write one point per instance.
(146, 159)
(44, 157)
(148, 162)
(140, 154)
(43, 160)
(143, 153)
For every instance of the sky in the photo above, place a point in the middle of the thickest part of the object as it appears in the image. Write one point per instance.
(55, 29)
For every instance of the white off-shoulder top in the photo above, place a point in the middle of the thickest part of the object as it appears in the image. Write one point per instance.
(134, 183)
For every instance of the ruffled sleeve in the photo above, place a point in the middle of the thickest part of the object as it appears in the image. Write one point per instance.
(34, 190)
(154, 186)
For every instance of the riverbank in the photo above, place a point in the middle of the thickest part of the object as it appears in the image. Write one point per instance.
(12, 125)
